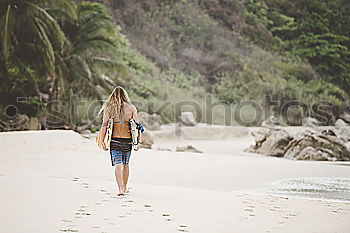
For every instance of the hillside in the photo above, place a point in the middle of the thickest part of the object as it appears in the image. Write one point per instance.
(250, 57)
(228, 48)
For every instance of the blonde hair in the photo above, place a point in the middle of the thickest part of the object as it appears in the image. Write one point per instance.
(114, 105)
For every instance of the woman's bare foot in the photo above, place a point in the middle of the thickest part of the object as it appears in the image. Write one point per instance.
(126, 190)
(121, 191)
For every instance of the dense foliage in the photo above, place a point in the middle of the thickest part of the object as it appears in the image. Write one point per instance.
(316, 30)
(233, 48)
(52, 48)
(173, 51)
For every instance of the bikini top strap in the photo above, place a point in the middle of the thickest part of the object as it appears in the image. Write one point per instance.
(115, 122)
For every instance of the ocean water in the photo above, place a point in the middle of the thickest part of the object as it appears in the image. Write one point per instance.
(335, 189)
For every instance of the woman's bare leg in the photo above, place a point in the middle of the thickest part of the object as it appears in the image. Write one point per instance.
(125, 176)
(119, 178)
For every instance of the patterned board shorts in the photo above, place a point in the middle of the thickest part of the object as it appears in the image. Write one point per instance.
(118, 157)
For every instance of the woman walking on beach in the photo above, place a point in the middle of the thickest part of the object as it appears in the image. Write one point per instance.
(119, 108)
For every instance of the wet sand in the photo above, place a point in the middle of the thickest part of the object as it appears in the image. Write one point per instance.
(58, 181)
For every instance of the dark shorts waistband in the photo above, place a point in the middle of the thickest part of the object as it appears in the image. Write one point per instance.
(122, 139)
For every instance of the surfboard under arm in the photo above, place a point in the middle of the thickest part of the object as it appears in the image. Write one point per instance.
(109, 132)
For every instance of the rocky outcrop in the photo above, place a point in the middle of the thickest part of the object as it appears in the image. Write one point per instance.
(310, 144)
(33, 124)
(188, 148)
(147, 140)
(340, 123)
(20, 122)
(344, 133)
(271, 123)
(150, 121)
(317, 145)
(345, 117)
(310, 122)
(23, 122)
(270, 142)
(84, 127)
(187, 119)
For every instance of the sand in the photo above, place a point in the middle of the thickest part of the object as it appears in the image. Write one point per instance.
(58, 181)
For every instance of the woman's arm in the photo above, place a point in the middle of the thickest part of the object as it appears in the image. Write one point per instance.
(103, 130)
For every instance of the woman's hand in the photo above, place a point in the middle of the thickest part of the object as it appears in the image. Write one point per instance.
(100, 142)
(137, 147)
(104, 146)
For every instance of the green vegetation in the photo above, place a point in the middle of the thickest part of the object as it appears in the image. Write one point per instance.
(315, 30)
(174, 51)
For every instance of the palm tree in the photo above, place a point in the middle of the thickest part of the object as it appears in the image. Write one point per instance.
(58, 46)
(95, 49)
(29, 38)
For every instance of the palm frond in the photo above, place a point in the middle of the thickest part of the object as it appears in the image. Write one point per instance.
(109, 64)
(44, 39)
(50, 22)
(65, 7)
(97, 45)
(6, 40)
(81, 67)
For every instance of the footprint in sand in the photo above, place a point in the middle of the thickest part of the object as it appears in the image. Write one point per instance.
(148, 207)
(85, 185)
(182, 228)
(68, 230)
(65, 220)
(167, 217)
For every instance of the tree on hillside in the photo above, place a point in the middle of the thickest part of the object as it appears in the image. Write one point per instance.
(51, 48)
(94, 48)
(316, 30)
(29, 38)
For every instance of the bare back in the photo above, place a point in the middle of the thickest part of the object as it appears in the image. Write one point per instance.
(121, 129)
